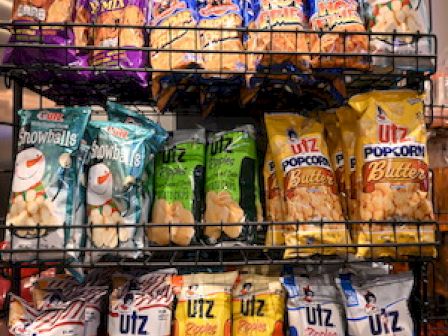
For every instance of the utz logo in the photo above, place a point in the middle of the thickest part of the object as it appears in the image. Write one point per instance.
(245, 289)
(388, 132)
(301, 145)
(191, 291)
(308, 294)
(217, 7)
(51, 116)
(370, 306)
(118, 132)
(385, 323)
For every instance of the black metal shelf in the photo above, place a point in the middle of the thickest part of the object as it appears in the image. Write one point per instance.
(354, 72)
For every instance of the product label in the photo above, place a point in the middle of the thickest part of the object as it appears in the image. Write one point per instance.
(328, 14)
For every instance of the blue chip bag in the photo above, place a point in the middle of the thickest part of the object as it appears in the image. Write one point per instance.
(221, 15)
(115, 186)
(274, 15)
(117, 112)
(46, 182)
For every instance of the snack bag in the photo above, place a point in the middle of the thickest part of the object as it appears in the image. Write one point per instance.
(258, 306)
(117, 112)
(45, 181)
(115, 185)
(272, 15)
(314, 306)
(170, 13)
(274, 202)
(54, 11)
(53, 296)
(63, 318)
(392, 171)
(231, 185)
(142, 306)
(347, 124)
(126, 12)
(221, 16)
(308, 180)
(377, 306)
(401, 16)
(334, 140)
(337, 16)
(178, 188)
(204, 304)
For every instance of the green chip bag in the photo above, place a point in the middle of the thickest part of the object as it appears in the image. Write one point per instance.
(179, 184)
(115, 185)
(45, 182)
(231, 185)
(117, 112)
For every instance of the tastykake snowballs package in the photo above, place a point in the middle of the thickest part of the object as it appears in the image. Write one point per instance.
(115, 185)
(46, 180)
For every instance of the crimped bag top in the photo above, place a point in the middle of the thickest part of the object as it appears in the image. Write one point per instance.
(204, 304)
(258, 306)
(392, 161)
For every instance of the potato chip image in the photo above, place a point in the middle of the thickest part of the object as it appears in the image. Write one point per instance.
(392, 171)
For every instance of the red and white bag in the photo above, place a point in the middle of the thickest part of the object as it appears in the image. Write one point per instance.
(64, 318)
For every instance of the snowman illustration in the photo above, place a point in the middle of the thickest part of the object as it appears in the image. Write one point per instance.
(102, 209)
(30, 204)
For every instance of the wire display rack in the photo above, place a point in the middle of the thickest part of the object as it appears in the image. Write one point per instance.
(270, 87)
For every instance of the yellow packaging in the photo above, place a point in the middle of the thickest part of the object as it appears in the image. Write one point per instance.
(337, 159)
(347, 124)
(305, 174)
(392, 171)
(274, 202)
(204, 304)
(258, 306)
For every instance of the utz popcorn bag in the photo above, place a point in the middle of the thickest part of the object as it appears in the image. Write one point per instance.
(392, 174)
(305, 174)
(115, 185)
(258, 306)
(204, 304)
(46, 178)
(337, 16)
(118, 12)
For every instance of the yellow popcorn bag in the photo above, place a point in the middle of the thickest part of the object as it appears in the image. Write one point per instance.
(204, 304)
(337, 159)
(392, 171)
(347, 124)
(258, 306)
(308, 180)
(274, 202)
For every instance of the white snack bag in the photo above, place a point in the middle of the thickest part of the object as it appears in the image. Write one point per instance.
(314, 307)
(65, 318)
(141, 306)
(378, 306)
